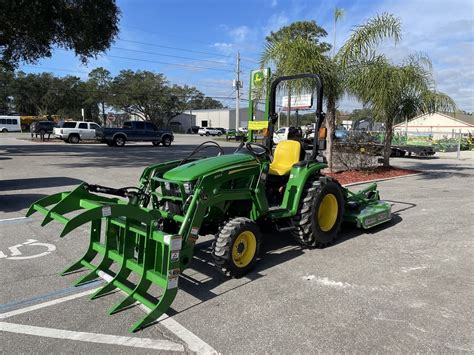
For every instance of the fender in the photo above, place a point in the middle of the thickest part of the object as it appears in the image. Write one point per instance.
(299, 174)
(120, 133)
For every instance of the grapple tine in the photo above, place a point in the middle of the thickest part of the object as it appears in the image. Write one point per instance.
(146, 254)
(90, 254)
(163, 305)
(40, 205)
(123, 272)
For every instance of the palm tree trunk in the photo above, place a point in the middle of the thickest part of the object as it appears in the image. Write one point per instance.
(331, 127)
(388, 141)
(104, 118)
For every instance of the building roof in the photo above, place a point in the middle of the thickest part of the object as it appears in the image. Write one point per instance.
(463, 117)
(458, 116)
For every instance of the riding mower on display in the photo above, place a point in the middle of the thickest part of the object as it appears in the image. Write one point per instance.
(150, 230)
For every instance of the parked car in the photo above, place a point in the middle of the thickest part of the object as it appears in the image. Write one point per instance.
(209, 131)
(10, 124)
(75, 131)
(223, 130)
(136, 131)
(42, 128)
(195, 129)
(243, 129)
(286, 133)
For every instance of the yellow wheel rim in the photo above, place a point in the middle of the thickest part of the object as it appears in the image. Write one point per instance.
(244, 248)
(327, 212)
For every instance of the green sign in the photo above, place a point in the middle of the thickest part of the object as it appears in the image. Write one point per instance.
(258, 78)
(257, 84)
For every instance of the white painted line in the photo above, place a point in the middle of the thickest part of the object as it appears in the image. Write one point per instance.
(16, 220)
(46, 304)
(134, 342)
(12, 219)
(193, 342)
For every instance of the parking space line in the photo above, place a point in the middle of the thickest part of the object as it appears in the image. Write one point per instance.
(16, 220)
(46, 304)
(146, 343)
(193, 342)
(57, 293)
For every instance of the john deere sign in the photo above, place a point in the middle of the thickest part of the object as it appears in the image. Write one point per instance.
(258, 85)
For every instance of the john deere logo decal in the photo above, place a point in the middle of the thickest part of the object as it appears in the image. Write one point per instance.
(258, 78)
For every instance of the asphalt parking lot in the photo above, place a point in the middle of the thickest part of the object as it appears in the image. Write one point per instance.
(405, 286)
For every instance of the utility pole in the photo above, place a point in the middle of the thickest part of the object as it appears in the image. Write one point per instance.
(237, 93)
(289, 107)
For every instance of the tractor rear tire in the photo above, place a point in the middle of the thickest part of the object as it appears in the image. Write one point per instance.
(320, 213)
(236, 248)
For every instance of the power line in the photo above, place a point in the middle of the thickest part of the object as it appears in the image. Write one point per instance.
(170, 55)
(168, 35)
(174, 48)
(197, 85)
(166, 63)
(247, 59)
(56, 69)
(217, 97)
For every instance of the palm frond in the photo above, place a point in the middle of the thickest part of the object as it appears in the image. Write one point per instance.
(367, 36)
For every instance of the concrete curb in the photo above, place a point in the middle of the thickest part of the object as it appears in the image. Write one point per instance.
(383, 179)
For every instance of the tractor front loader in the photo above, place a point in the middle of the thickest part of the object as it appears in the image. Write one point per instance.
(148, 232)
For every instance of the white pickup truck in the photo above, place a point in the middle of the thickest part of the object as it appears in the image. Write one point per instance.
(75, 131)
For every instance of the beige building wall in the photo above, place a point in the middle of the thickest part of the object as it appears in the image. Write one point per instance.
(437, 125)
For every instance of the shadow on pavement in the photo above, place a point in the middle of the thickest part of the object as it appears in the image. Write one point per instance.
(17, 202)
(37, 183)
(103, 156)
(276, 249)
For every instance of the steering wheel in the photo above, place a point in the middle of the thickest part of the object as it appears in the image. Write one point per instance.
(259, 154)
(202, 146)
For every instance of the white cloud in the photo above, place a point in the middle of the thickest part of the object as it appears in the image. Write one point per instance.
(224, 47)
(239, 34)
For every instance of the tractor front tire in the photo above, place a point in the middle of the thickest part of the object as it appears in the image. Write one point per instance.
(237, 246)
(320, 213)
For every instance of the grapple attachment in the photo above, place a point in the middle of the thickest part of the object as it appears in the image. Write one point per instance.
(124, 234)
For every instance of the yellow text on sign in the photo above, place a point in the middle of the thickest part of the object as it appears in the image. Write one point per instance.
(257, 125)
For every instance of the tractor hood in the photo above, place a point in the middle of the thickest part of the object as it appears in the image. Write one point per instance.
(195, 169)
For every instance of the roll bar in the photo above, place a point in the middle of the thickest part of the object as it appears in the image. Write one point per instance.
(273, 117)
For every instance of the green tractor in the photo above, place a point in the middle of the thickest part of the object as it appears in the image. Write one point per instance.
(150, 230)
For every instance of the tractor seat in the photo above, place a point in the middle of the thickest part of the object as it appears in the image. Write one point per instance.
(287, 153)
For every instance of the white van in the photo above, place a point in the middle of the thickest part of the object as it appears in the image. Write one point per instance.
(10, 124)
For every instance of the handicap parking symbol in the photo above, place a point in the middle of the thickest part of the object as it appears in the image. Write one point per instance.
(16, 254)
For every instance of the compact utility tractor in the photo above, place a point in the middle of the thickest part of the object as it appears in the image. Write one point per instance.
(150, 231)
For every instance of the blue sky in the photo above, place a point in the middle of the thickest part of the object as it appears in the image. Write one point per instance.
(205, 36)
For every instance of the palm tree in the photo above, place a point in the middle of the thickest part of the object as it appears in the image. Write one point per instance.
(298, 54)
(338, 13)
(395, 92)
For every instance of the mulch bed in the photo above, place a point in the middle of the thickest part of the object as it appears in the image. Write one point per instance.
(349, 177)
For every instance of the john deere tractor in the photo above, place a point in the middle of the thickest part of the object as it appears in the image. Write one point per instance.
(151, 230)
